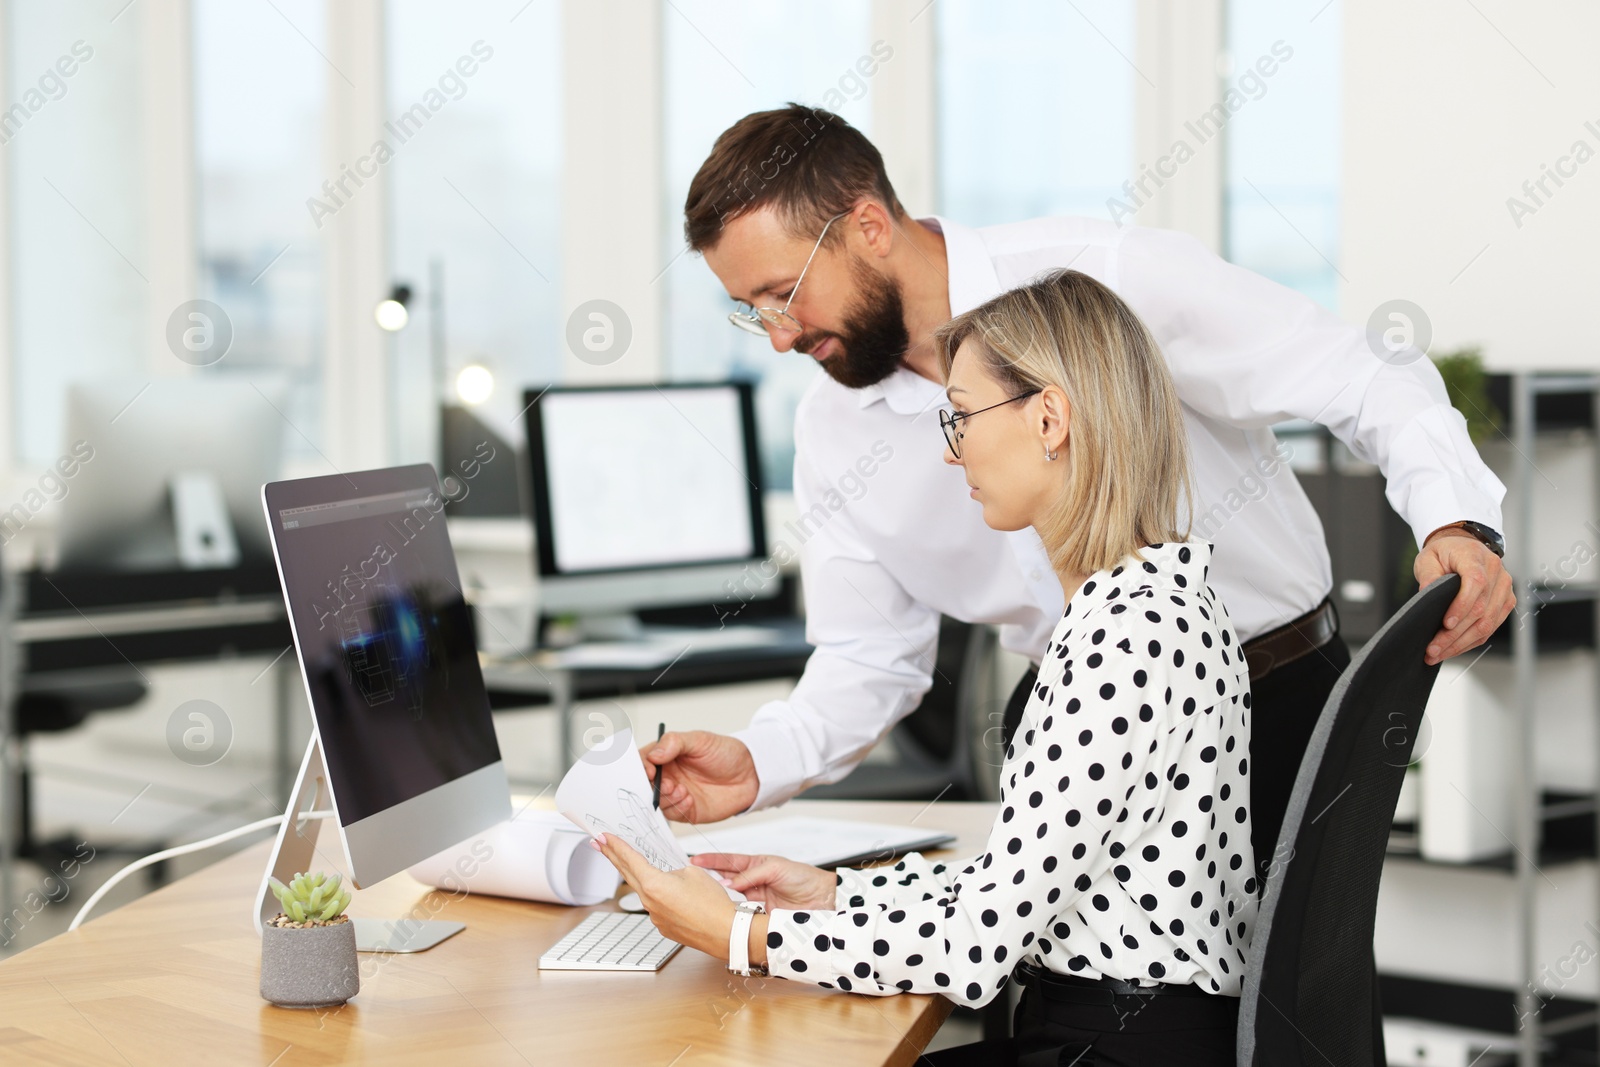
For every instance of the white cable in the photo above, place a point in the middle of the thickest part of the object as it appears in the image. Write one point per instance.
(181, 850)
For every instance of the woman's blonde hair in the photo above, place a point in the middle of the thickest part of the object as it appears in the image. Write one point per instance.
(1127, 454)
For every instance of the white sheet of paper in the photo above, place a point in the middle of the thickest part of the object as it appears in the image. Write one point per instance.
(606, 791)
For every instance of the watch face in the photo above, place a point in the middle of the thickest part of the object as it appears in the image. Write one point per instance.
(1488, 535)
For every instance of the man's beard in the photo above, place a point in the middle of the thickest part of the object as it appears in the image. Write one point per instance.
(874, 337)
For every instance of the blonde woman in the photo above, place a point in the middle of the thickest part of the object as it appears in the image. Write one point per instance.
(1117, 882)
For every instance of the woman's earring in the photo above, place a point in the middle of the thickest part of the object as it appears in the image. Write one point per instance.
(1049, 455)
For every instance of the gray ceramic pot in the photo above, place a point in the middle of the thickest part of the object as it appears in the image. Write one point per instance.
(313, 967)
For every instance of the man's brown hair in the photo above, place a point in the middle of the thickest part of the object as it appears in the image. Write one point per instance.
(810, 163)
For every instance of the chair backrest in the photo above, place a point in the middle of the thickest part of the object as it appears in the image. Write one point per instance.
(1308, 988)
(934, 743)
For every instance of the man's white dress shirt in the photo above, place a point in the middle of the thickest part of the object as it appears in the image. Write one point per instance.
(888, 538)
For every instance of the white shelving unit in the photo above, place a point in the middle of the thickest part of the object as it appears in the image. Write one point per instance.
(1526, 796)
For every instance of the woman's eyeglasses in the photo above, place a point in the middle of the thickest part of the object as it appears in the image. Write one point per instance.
(950, 421)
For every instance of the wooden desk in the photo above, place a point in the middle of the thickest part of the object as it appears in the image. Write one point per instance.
(172, 978)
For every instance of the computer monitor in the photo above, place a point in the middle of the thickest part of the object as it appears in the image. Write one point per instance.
(403, 745)
(645, 495)
(176, 466)
(482, 471)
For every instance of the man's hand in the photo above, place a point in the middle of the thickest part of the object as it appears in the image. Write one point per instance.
(772, 880)
(705, 777)
(1485, 597)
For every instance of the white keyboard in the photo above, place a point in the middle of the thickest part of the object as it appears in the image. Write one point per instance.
(661, 645)
(610, 941)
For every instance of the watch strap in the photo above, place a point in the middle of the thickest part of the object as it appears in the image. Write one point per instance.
(739, 937)
(1487, 536)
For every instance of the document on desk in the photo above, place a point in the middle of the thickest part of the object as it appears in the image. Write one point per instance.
(606, 791)
(819, 842)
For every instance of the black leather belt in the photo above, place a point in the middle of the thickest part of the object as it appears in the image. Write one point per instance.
(1070, 989)
(1294, 639)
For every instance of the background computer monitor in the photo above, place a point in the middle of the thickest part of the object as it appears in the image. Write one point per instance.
(391, 670)
(645, 495)
(497, 488)
(118, 509)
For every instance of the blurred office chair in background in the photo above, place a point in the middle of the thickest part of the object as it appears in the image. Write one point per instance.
(939, 749)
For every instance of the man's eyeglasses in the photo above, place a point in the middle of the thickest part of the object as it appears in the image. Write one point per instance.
(951, 422)
(760, 320)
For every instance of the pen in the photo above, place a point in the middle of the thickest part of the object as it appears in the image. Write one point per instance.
(655, 790)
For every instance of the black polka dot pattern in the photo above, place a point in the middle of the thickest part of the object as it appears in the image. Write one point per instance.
(1116, 852)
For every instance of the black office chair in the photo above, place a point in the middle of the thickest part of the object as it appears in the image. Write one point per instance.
(1310, 988)
(51, 703)
(933, 746)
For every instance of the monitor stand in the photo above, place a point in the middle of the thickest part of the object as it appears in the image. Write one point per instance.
(294, 852)
(200, 521)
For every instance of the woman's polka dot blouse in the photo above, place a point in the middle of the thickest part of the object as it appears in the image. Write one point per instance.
(1122, 847)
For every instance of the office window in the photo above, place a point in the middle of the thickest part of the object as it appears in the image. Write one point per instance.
(259, 89)
(80, 286)
(1036, 104)
(725, 59)
(476, 204)
(1281, 207)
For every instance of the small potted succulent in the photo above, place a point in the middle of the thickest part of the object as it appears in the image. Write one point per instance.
(308, 951)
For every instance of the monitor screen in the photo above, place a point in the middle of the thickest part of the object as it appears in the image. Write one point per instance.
(384, 634)
(630, 478)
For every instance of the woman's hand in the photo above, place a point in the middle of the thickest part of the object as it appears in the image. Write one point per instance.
(686, 905)
(773, 880)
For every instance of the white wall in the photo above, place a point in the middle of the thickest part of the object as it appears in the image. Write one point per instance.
(1181, 44)
(1449, 108)
(612, 195)
(904, 107)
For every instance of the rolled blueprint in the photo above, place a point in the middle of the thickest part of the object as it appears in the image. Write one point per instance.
(536, 855)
